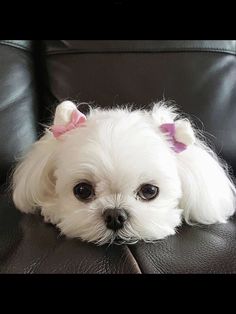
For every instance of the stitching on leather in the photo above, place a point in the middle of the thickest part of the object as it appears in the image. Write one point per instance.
(134, 50)
(9, 43)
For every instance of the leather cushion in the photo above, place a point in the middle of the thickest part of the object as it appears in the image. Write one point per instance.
(194, 249)
(28, 245)
(18, 112)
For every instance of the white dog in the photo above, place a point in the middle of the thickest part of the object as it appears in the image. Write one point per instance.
(123, 175)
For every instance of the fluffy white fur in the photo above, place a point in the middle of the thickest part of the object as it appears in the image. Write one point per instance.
(118, 150)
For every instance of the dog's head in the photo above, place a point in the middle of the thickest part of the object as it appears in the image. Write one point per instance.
(121, 174)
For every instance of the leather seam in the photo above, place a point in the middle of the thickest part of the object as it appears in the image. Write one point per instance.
(119, 50)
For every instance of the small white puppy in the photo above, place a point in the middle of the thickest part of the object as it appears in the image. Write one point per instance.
(123, 175)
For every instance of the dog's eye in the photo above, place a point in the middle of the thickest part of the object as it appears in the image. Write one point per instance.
(148, 192)
(83, 191)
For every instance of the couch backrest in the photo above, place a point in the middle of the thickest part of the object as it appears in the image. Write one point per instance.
(200, 76)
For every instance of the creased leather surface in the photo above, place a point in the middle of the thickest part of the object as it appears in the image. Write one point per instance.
(194, 249)
(19, 44)
(18, 111)
(30, 246)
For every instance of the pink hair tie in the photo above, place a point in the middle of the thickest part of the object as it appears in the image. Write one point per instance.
(170, 130)
(77, 119)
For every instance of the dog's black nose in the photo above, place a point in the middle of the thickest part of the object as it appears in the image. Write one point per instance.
(115, 218)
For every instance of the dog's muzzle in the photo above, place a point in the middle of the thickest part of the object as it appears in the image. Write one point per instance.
(115, 218)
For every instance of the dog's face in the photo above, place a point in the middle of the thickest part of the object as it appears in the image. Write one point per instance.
(122, 175)
(116, 178)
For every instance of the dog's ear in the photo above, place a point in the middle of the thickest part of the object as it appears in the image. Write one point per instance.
(208, 193)
(33, 178)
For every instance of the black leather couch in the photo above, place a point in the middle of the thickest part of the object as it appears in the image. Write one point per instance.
(35, 75)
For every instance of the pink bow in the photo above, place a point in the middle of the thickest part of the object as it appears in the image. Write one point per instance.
(169, 129)
(77, 118)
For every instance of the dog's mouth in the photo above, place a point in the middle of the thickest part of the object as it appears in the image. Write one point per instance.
(117, 239)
